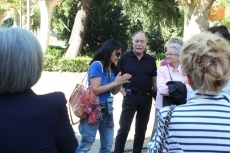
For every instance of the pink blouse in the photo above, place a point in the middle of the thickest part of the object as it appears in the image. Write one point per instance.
(163, 77)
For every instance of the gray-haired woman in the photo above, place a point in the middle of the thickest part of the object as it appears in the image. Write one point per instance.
(170, 72)
(30, 123)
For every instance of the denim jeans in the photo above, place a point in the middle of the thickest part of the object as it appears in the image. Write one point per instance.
(88, 133)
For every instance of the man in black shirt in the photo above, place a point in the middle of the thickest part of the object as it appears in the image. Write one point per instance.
(137, 94)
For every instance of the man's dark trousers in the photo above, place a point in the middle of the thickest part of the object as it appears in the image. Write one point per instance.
(132, 104)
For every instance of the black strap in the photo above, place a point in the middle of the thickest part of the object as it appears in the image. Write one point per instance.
(165, 128)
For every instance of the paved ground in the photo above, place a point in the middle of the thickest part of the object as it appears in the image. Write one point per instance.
(65, 82)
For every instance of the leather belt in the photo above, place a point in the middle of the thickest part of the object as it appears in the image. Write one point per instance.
(139, 93)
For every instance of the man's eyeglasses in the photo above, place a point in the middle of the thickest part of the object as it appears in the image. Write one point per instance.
(118, 54)
(171, 54)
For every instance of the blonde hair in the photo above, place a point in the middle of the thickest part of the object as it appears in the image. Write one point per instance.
(205, 57)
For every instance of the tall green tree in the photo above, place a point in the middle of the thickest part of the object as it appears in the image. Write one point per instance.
(141, 18)
(159, 27)
(195, 12)
(161, 19)
(106, 21)
(163, 12)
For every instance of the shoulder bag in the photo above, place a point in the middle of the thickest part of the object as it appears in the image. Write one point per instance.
(84, 102)
(75, 101)
(151, 147)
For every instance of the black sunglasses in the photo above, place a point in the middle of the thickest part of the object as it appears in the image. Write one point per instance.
(118, 54)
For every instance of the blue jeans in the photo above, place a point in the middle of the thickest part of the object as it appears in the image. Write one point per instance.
(88, 133)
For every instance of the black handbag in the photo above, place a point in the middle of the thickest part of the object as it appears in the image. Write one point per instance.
(177, 93)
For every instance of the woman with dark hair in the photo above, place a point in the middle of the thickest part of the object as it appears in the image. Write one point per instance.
(221, 31)
(104, 79)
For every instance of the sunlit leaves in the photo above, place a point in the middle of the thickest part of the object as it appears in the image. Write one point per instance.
(164, 11)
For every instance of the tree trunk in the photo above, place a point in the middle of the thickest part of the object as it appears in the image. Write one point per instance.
(195, 16)
(16, 17)
(2, 14)
(46, 8)
(79, 27)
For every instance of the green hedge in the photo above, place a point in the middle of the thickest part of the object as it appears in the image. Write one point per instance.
(159, 57)
(79, 64)
(54, 61)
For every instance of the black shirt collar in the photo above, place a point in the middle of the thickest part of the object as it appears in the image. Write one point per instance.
(131, 53)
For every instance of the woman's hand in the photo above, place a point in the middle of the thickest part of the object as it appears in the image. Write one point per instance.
(121, 79)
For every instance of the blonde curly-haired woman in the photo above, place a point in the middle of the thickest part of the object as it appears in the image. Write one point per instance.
(202, 124)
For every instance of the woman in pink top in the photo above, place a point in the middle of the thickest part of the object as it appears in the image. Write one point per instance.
(172, 68)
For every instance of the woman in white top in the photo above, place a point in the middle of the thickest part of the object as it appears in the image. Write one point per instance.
(202, 124)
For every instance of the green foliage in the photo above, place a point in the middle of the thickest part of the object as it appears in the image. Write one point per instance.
(222, 2)
(159, 57)
(158, 31)
(172, 30)
(105, 22)
(63, 18)
(79, 64)
(110, 20)
(56, 51)
(74, 65)
(156, 41)
(162, 12)
(7, 4)
(50, 63)
(53, 61)
(7, 22)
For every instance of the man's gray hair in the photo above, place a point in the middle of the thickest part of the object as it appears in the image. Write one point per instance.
(140, 31)
(21, 60)
(176, 46)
